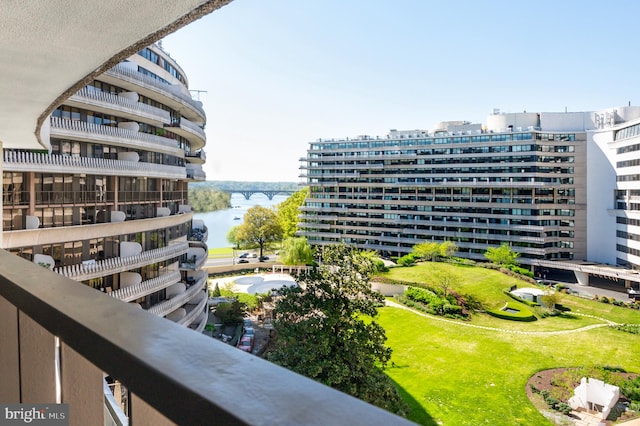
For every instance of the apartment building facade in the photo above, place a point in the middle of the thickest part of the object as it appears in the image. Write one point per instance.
(107, 204)
(544, 183)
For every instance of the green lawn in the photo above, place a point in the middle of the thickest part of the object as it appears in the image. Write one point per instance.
(453, 374)
(221, 252)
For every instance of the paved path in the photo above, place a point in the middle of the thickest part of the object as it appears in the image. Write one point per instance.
(605, 323)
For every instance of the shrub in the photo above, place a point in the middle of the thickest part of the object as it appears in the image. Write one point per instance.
(631, 389)
(564, 408)
(604, 299)
(407, 260)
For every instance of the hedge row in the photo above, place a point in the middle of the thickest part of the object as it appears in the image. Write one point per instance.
(523, 314)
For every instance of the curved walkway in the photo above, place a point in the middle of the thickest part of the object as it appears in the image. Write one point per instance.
(483, 327)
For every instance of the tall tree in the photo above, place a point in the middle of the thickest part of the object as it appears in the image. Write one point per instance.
(502, 255)
(232, 237)
(296, 251)
(288, 212)
(326, 329)
(260, 227)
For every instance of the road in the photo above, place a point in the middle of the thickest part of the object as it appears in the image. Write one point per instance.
(224, 261)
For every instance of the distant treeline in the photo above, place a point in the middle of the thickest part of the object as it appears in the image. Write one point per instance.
(246, 186)
(207, 199)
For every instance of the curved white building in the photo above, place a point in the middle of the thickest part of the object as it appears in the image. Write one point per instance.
(107, 204)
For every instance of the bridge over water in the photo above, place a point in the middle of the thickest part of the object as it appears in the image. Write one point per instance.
(270, 193)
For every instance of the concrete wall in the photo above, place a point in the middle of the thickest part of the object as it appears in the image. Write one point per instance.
(601, 183)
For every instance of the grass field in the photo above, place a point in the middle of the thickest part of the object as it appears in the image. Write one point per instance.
(452, 373)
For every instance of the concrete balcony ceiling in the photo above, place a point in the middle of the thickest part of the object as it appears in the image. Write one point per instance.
(50, 49)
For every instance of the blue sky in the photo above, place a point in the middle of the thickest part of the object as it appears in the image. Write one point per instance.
(282, 73)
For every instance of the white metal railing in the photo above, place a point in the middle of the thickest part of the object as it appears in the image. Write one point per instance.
(81, 272)
(168, 90)
(25, 161)
(170, 305)
(127, 294)
(64, 127)
(86, 95)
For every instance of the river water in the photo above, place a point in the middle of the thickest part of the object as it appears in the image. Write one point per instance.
(220, 222)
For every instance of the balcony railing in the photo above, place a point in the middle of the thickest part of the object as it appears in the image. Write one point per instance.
(195, 311)
(120, 71)
(16, 161)
(114, 265)
(191, 127)
(173, 373)
(117, 136)
(127, 294)
(170, 305)
(119, 103)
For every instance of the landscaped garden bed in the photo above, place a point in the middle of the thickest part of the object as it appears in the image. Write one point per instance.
(550, 390)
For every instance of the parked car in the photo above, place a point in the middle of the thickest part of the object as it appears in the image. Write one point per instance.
(248, 331)
(243, 255)
(246, 343)
(243, 261)
(263, 258)
(254, 255)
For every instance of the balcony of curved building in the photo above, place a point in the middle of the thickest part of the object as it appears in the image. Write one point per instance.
(117, 136)
(24, 161)
(193, 132)
(177, 295)
(55, 337)
(199, 231)
(123, 104)
(200, 322)
(99, 268)
(196, 157)
(192, 310)
(195, 257)
(195, 172)
(126, 75)
(133, 291)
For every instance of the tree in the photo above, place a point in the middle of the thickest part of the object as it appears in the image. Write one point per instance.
(232, 237)
(216, 291)
(260, 227)
(433, 250)
(502, 255)
(206, 199)
(296, 251)
(551, 299)
(445, 280)
(288, 212)
(447, 249)
(326, 329)
(231, 312)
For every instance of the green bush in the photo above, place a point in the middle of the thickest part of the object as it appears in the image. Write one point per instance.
(631, 389)
(407, 260)
(564, 408)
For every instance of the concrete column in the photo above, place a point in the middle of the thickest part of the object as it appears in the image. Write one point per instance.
(582, 277)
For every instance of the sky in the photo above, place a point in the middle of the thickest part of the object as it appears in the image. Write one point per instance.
(279, 74)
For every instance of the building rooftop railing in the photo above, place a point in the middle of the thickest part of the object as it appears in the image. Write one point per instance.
(173, 373)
